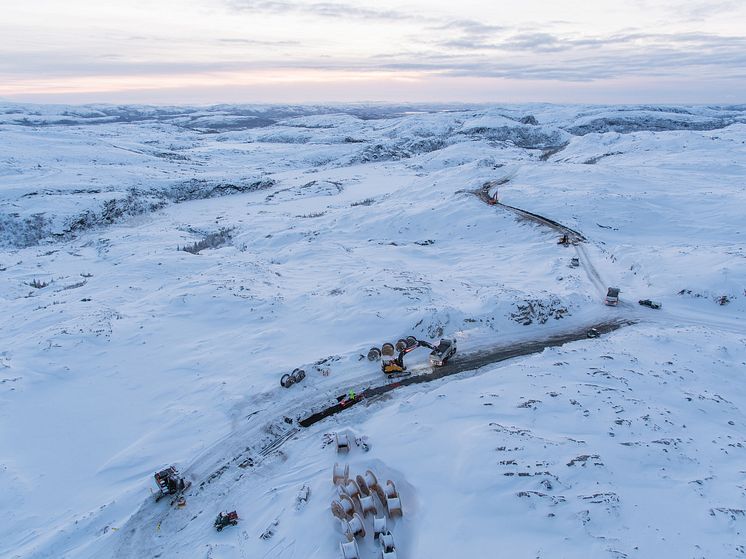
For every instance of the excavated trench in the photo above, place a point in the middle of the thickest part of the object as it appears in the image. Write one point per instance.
(468, 362)
(483, 194)
(545, 221)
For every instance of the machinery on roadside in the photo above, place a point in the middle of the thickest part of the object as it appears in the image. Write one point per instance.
(289, 379)
(649, 303)
(170, 482)
(225, 519)
(612, 297)
(567, 239)
(442, 352)
(393, 366)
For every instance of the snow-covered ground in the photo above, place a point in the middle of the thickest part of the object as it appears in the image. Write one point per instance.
(333, 229)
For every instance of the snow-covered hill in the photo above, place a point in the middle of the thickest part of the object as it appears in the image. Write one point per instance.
(314, 233)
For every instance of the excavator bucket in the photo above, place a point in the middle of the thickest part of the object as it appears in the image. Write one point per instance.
(392, 367)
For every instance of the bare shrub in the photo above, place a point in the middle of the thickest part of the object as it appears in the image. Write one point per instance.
(213, 240)
(38, 284)
(366, 202)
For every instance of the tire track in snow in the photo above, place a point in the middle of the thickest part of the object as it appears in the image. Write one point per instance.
(590, 269)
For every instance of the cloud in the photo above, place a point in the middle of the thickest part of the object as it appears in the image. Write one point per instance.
(692, 10)
(552, 57)
(470, 28)
(712, 49)
(337, 10)
(524, 56)
(52, 64)
(258, 42)
(535, 42)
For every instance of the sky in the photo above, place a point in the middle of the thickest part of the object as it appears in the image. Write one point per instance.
(313, 51)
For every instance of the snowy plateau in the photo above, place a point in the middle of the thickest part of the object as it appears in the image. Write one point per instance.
(161, 268)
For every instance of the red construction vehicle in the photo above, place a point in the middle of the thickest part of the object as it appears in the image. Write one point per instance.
(226, 519)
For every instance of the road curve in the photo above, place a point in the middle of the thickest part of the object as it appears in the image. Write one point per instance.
(575, 237)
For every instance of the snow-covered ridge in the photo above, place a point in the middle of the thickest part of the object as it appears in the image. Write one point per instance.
(79, 160)
(209, 119)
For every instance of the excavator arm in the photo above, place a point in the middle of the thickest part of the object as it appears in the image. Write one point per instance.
(397, 364)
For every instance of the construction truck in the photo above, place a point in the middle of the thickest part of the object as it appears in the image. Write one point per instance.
(612, 297)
